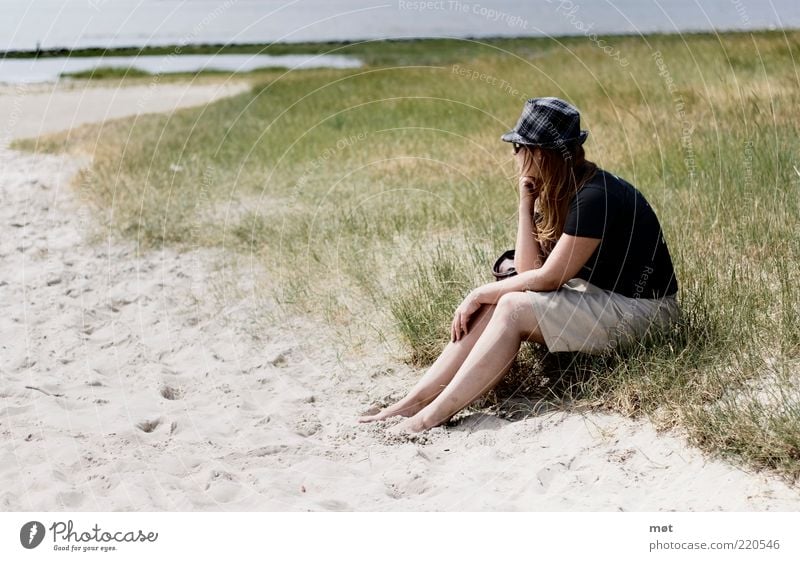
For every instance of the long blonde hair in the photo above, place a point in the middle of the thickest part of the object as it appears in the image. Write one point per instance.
(563, 173)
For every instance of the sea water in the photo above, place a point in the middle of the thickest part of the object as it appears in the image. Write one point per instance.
(50, 69)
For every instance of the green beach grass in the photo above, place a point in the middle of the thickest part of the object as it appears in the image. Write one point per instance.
(379, 196)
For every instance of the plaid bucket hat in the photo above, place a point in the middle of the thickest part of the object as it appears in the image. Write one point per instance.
(548, 122)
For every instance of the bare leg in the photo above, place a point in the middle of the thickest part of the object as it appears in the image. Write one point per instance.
(440, 373)
(487, 363)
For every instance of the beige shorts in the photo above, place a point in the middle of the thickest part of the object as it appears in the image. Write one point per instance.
(582, 317)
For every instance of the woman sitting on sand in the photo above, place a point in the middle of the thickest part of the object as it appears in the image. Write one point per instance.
(593, 272)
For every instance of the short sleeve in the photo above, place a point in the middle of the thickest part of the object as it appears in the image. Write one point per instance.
(590, 212)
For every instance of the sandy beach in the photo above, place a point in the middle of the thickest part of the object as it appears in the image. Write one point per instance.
(134, 381)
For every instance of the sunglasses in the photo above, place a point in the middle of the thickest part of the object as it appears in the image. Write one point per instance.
(517, 146)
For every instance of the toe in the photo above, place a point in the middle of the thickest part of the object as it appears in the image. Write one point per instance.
(372, 411)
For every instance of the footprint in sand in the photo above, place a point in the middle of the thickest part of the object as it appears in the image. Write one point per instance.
(548, 474)
(70, 500)
(148, 426)
(307, 426)
(281, 360)
(222, 487)
(171, 393)
(334, 505)
(407, 483)
(393, 491)
(269, 450)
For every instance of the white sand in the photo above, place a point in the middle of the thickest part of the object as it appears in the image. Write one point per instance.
(154, 392)
(33, 109)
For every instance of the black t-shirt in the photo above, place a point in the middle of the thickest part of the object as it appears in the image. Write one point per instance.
(632, 258)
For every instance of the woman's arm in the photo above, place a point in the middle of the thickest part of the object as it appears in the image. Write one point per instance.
(568, 256)
(528, 253)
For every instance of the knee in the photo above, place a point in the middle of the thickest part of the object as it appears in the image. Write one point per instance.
(511, 307)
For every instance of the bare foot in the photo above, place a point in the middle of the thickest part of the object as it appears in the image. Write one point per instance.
(410, 425)
(377, 414)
